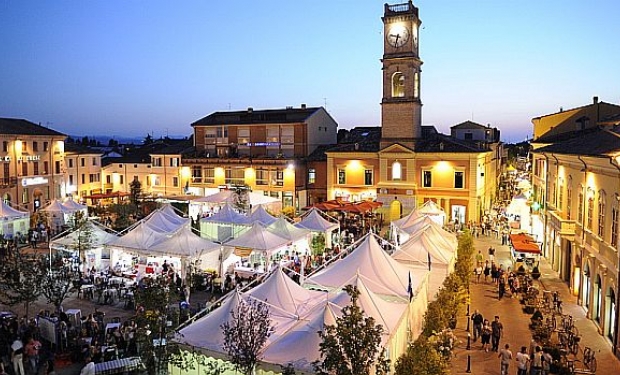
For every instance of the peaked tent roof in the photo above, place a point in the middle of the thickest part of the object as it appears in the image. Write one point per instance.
(164, 220)
(228, 216)
(284, 296)
(74, 206)
(56, 207)
(99, 236)
(284, 228)
(258, 238)
(140, 238)
(425, 223)
(314, 221)
(420, 246)
(382, 274)
(184, 243)
(219, 197)
(8, 212)
(407, 220)
(430, 208)
(262, 216)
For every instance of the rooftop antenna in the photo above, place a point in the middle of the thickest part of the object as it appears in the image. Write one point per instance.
(325, 103)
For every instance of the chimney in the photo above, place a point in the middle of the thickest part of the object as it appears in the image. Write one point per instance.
(250, 109)
(303, 105)
(595, 100)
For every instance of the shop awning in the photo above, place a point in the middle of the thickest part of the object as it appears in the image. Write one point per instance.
(524, 243)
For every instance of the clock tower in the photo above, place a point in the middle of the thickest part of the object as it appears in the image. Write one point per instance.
(401, 107)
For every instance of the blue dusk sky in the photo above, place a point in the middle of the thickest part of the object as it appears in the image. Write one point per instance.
(130, 67)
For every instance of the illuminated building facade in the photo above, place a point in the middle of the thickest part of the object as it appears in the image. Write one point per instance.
(271, 151)
(408, 164)
(576, 183)
(32, 158)
(82, 172)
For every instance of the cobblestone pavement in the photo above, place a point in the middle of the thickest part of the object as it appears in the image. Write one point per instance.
(484, 297)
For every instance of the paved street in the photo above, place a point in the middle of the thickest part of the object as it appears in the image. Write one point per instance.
(515, 321)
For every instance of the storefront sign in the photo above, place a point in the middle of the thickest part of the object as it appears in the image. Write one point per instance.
(29, 158)
(34, 181)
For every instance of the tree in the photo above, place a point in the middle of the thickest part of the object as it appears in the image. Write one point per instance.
(135, 191)
(421, 358)
(152, 320)
(241, 198)
(353, 345)
(246, 334)
(84, 239)
(58, 280)
(21, 279)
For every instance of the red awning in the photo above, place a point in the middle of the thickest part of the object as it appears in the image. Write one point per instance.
(524, 243)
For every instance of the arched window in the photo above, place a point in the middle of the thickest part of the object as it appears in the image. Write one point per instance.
(398, 85)
(397, 172)
(610, 308)
(599, 298)
(602, 198)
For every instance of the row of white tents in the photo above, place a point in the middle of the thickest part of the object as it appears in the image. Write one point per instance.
(394, 290)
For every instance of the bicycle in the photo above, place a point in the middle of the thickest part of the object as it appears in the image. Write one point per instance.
(589, 360)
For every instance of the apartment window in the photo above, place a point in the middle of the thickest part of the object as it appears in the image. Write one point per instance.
(121, 179)
(569, 200)
(108, 179)
(262, 177)
(469, 136)
(311, 176)
(427, 179)
(601, 213)
(590, 217)
(580, 206)
(222, 131)
(561, 195)
(35, 146)
(35, 168)
(175, 181)
(614, 226)
(24, 168)
(70, 163)
(397, 171)
(94, 177)
(174, 162)
(156, 162)
(7, 172)
(71, 180)
(209, 175)
(459, 180)
(156, 181)
(26, 196)
(94, 161)
(24, 146)
(280, 177)
(234, 176)
(46, 146)
(243, 136)
(273, 134)
(148, 181)
(57, 167)
(5, 146)
(197, 174)
(368, 177)
(83, 178)
(342, 176)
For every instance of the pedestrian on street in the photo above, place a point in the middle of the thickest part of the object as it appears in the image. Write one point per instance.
(522, 361)
(486, 335)
(17, 357)
(506, 356)
(477, 319)
(494, 272)
(479, 258)
(491, 254)
(487, 270)
(497, 331)
(537, 362)
(501, 287)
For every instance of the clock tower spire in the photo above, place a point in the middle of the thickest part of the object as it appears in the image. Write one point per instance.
(401, 107)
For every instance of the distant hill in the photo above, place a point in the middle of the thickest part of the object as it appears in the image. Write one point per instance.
(104, 139)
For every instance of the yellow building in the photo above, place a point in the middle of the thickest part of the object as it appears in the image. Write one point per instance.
(407, 164)
(32, 158)
(82, 172)
(577, 185)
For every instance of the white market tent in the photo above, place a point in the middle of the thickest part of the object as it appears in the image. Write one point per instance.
(97, 236)
(423, 222)
(314, 220)
(434, 211)
(13, 221)
(165, 219)
(224, 225)
(139, 239)
(223, 196)
(262, 216)
(184, 244)
(229, 197)
(382, 274)
(74, 206)
(285, 229)
(259, 239)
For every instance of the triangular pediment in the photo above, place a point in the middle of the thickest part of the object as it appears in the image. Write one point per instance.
(396, 148)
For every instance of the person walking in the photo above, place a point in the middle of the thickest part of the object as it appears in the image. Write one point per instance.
(479, 258)
(485, 337)
(487, 270)
(497, 330)
(477, 320)
(505, 356)
(522, 359)
(537, 362)
(17, 357)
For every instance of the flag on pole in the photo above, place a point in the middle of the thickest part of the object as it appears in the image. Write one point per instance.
(410, 288)
(428, 254)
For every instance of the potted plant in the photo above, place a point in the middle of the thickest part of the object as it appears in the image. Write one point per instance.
(535, 273)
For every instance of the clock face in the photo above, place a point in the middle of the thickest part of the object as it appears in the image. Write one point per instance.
(398, 35)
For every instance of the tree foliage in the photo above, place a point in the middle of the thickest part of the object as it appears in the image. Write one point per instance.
(21, 279)
(58, 280)
(421, 358)
(246, 334)
(353, 345)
